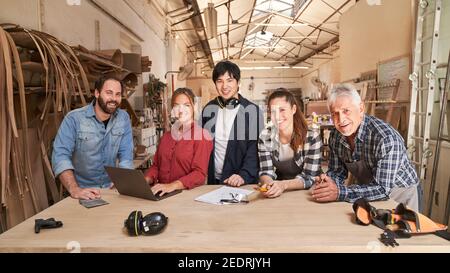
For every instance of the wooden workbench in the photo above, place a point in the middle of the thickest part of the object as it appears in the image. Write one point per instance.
(290, 223)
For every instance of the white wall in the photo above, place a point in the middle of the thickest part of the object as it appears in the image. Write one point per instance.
(23, 12)
(373, 33)
(264, 80)
(327, 70)
(75, 25)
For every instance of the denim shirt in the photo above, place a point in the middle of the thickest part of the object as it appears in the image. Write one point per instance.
(86, 147)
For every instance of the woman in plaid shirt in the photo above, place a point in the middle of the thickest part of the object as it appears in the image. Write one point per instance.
(289, 153)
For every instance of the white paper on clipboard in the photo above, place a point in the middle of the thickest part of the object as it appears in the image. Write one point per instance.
(223, 192)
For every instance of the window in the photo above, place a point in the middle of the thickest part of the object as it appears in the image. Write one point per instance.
(285, 7)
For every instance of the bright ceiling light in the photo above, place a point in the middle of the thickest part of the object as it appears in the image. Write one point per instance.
(272, 67)
(280, 25)
(255, 67)
(262, 61)
(298, 37)
(256, 47)
(260, 38)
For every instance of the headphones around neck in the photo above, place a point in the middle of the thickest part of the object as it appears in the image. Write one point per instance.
(150, 224)
(232, 102)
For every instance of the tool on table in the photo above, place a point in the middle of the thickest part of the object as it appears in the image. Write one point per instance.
(400, 222)
(44, 224)
(93, 203)
(263, 187)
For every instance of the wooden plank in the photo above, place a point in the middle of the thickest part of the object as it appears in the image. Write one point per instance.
(33, 67)
(290, 223)
(97, 60)
(394, 97)
(22, 39)
(3, 130)
(396, 68)
(18, 207)
(448, 119)
(36, 167)
(2, 219)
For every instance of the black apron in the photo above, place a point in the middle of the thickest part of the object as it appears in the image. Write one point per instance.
(287, 169)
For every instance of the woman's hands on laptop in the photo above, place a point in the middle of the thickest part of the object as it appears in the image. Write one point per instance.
(161, 189)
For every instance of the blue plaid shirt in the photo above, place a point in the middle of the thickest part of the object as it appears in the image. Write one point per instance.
(382, 149)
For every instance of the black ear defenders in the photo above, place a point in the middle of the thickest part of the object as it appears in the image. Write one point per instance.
(232, 102)
(150, 224)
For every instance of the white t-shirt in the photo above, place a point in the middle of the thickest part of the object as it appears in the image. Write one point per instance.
(286, 152)
(224, 123)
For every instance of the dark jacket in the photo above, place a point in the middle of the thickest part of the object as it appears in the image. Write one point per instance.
(241, 156)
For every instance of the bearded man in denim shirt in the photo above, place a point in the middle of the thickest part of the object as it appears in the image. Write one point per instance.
(91, 138)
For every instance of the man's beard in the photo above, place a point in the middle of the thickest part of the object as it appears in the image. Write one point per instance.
(104, 106)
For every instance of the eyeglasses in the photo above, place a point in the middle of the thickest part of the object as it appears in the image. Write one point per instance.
(235, 198)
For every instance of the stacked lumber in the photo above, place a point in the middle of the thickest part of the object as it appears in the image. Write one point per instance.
(105, 62)
(146, 64)
(42, 79)
(27, 181)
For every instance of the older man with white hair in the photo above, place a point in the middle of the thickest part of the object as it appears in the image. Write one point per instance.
(371, 150)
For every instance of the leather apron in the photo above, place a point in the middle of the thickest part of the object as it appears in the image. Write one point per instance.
(287, 169)
(363, 175)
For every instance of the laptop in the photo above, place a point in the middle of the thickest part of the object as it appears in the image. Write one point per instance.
(132, 183)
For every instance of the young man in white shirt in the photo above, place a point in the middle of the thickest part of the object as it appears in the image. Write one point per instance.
(235, 124)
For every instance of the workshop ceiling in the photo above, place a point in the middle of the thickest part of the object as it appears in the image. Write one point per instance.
(282, 32)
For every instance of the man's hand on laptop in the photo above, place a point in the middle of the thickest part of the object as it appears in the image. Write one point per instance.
(86, 194)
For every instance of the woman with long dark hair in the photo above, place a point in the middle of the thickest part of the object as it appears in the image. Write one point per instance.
(289, 153)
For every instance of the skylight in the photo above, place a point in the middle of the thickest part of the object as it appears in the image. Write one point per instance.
(284, 7)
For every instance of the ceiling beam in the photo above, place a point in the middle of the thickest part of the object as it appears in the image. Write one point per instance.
(222, 33)
(326, 3)
(221, 45)
(308, 47)
(198, 12)
(201, 34)
(228, 29)
(294, 20)
(248, 25)
(301, 21)
(324, 21)
(318, 50)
